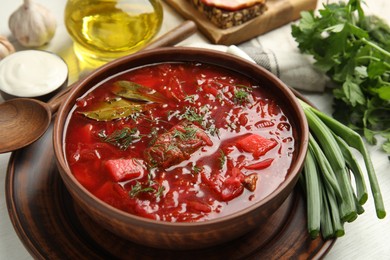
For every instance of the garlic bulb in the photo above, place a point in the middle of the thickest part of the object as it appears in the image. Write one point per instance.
(6, 48)
(32, 24)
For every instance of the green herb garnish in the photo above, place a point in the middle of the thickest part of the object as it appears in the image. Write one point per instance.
(191, 98)
(192, 115)
(171, 147)
(122, 138)
(241, 96)
(201, 115)
(353, 50)
(196, 169)
(213, 130)
(153, 135)
(188, 134)
(222, 159)
(139, 188)
(150, 186)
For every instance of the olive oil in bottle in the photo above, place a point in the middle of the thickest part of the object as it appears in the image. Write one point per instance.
(103, 30)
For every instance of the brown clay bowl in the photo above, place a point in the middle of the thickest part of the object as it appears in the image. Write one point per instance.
(182, 236)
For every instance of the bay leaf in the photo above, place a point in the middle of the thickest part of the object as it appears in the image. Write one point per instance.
(116, 109)
(137, 92)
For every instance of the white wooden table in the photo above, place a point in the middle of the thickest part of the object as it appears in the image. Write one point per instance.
(366, 238)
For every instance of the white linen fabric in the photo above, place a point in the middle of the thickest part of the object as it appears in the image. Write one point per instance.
(277, 52)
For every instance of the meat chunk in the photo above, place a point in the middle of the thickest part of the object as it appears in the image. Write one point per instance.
(250, 182)
(176, 145)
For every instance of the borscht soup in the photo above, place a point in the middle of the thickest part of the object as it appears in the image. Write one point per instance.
(179, 142)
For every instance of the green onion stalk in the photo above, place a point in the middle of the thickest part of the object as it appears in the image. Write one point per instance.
(328, 173)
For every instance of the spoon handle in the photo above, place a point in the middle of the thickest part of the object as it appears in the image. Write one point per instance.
(57, 100)
(174, 36)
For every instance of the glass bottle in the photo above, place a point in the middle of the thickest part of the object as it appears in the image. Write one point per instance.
(103, 30)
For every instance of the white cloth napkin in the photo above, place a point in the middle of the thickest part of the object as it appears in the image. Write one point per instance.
(278, 53)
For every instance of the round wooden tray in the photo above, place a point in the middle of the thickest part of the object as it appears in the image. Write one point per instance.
(52, 226)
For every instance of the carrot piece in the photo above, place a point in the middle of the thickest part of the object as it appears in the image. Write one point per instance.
(124, 169)
(256, 144)
(260, 165)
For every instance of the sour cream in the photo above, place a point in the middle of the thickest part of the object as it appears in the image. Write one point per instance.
(32, 73)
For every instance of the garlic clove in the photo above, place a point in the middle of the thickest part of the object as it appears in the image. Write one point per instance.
(6, 48)
(32, 24)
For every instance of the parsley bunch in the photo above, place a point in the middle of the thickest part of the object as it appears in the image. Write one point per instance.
(353, 49)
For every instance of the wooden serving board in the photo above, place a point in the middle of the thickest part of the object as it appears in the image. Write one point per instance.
(280, 12)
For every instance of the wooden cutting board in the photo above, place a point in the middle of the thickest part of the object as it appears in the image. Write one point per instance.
(280, 12)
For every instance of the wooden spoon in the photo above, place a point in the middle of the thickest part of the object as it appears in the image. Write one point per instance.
(24, 120)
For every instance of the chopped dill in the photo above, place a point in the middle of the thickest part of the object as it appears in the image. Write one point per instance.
(213, 130)
(138, 188)
(196, 169)
(188, 134)
(170, 147)
(241, 96)
(122, 138)
(191, 98)
(150, 186)
(159, 191)
(192, 115)
(153, 135)
(222, 159)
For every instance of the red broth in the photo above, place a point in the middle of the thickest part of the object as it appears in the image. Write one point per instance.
(210, 143)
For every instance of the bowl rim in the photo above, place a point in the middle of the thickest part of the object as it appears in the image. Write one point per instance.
(62, 114)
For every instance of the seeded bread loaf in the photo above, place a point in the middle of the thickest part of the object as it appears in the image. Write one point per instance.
(229, 13)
